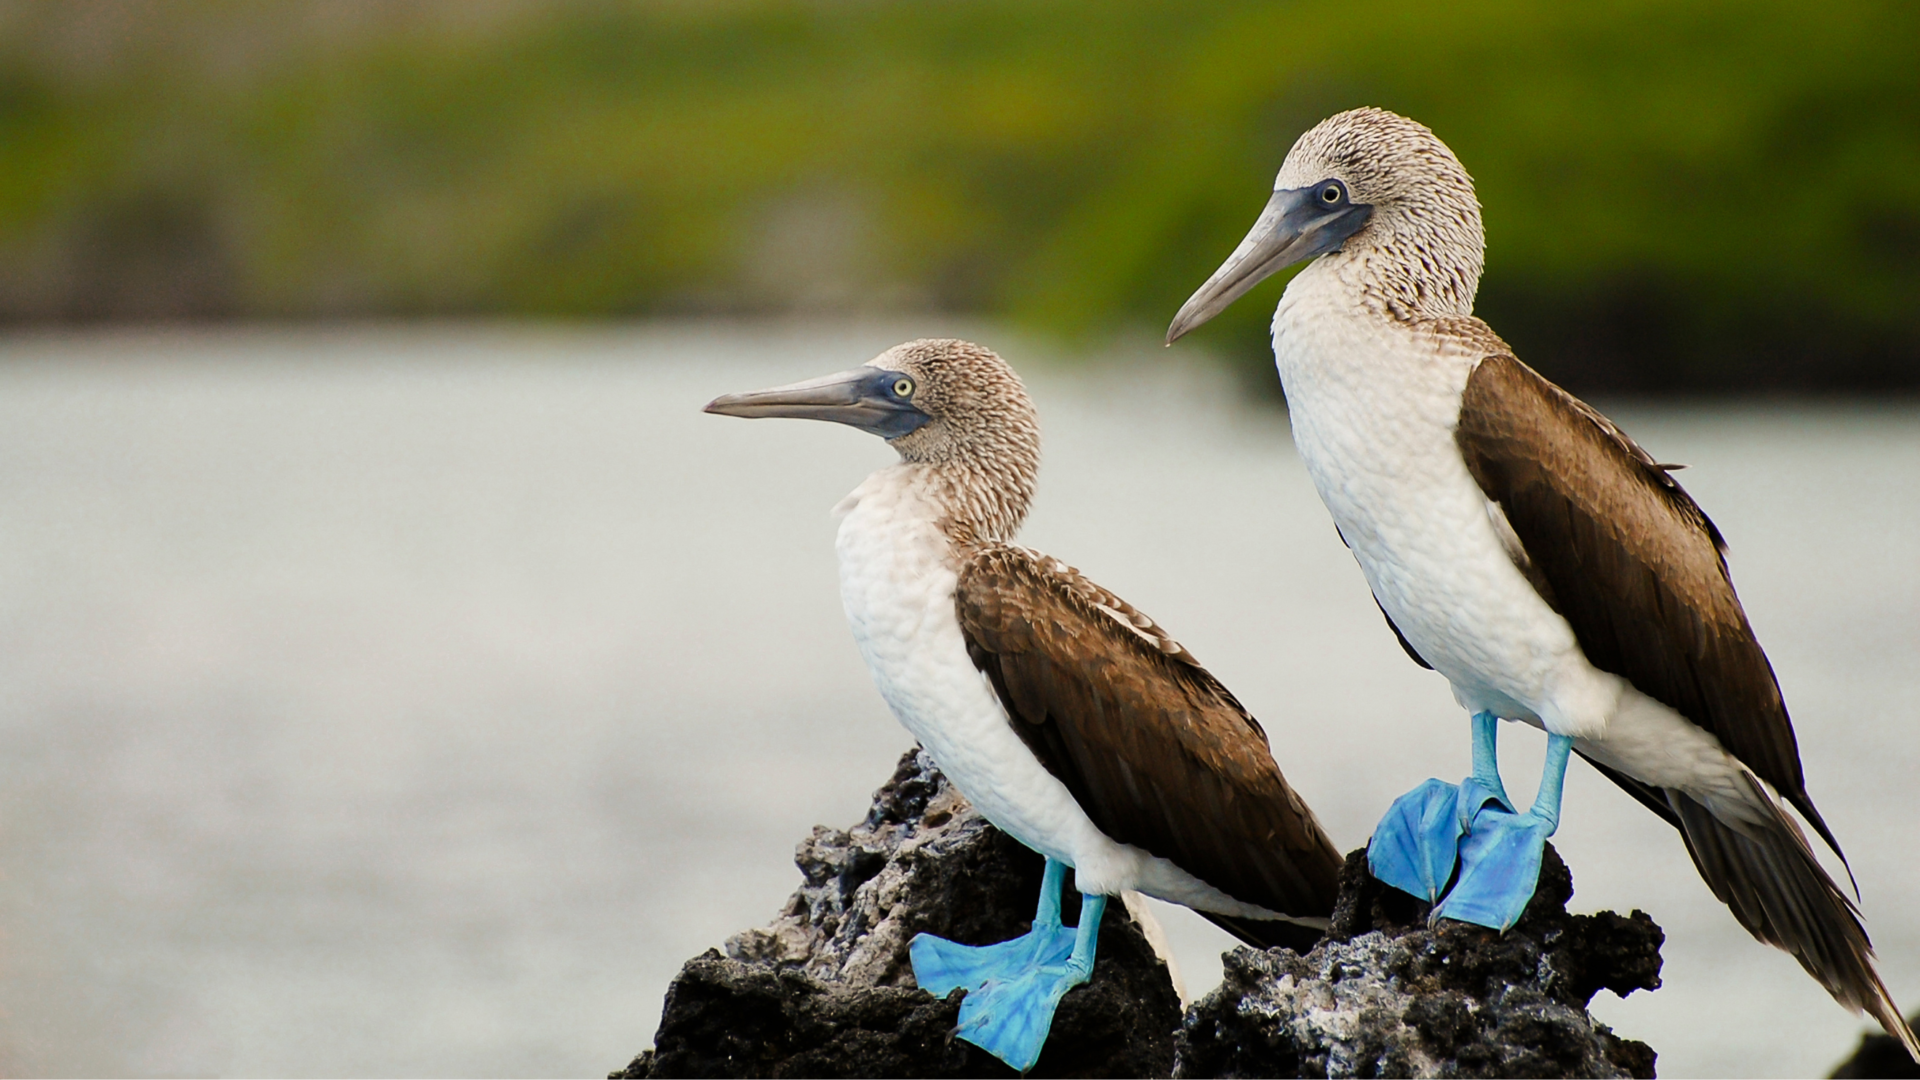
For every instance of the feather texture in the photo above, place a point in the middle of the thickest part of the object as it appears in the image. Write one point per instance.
(1623, 553)
(1156, 751)
(1619, 549)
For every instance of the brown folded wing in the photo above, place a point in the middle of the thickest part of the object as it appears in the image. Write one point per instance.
(1156, 751)
(1624, 554)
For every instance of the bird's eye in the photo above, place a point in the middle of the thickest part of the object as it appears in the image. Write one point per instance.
(903, 388)
(1330, 194)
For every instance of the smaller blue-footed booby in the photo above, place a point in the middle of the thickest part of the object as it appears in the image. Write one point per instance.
(1525, 548)
(1067, 717)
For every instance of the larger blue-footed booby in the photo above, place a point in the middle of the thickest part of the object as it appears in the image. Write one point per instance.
(1067, 717)
(1524, 547)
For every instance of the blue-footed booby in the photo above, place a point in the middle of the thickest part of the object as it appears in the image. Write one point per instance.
(1524, 547)
(1068, 718)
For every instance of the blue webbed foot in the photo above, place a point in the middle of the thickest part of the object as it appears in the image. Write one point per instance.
(1414, 846)
(1013, 987)
(1009, 1018)
(1500, 858)
(941, 966)
(1499, 851)
(1499, 867)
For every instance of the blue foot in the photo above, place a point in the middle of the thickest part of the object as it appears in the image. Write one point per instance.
(1500, 858)
(941, 966)
(1499, 867)
(1415, 847)
(1014, 987)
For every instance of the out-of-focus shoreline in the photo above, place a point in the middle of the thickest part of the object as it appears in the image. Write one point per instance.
(1723, 207)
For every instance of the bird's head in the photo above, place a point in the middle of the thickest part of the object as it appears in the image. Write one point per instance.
(948, 404)
(1378, 189)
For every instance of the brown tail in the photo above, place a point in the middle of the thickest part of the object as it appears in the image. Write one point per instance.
(1266, 933)
(1770, 879)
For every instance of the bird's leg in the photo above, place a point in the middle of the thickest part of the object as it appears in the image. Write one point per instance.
(1086, 938)
(1486, 756)
(1553, 781)
(1483, 789)
(1500, 858)
(1014, 987)
(1052, 880)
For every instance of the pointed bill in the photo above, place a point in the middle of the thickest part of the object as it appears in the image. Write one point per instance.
(872, 399)
(1296, 225)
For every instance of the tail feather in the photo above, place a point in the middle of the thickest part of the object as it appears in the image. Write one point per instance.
(1768, 876)
(1267, 933)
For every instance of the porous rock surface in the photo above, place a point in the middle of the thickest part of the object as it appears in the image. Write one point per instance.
(1385, 995)
(827, 988)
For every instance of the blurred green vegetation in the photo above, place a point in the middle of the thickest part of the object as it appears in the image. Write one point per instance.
(1691, 196)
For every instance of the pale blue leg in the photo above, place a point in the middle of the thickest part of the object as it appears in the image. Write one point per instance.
(1415, 845)
(1014, 987)
(1486, 758)
(1500, 859)
(1086, 938)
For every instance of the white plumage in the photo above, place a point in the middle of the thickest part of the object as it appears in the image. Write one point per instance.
(1374, 402)
(897, 580)
(1520, 543)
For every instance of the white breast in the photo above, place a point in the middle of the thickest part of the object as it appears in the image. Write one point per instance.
(897, 579)
(1374, 403)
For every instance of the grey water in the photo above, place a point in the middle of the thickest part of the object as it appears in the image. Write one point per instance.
(414, 702)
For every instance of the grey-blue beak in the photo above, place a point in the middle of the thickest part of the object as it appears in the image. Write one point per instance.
(869, 398)
(1297, 224)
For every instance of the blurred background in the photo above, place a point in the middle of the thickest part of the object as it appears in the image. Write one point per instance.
(1700, 197)
(399, 676)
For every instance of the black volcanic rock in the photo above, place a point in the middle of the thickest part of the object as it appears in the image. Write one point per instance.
(827, 989)
(1385, 995)
(1879, 1056)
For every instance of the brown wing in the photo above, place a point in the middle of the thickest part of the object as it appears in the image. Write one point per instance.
(1619, 550)
(1630, 561)
(1156, 751)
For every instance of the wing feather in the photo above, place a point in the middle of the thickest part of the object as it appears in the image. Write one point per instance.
(1635, 567)
(1631, 562)
(1157, 752)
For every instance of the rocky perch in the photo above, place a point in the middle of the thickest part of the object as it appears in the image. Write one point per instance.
(827, 990)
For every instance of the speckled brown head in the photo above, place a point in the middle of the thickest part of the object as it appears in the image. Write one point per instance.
(950, 406)
(1375, 188)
